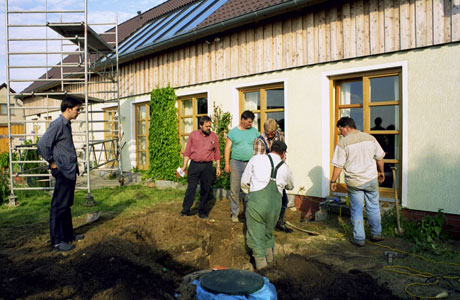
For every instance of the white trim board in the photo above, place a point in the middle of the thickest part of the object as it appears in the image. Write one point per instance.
(326, 121)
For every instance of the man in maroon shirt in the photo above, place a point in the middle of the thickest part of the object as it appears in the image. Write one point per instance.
(202, 149)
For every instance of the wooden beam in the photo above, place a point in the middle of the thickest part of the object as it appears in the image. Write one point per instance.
(310, 38)
(234, 64)
(268, 47)
(455, 20)
(287, 44)
(347, 31)
(243, 70)
(278, 45)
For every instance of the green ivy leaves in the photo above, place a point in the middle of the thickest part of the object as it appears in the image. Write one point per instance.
(164, 146)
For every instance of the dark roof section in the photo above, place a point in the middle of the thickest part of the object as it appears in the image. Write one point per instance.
(3, 85)
(229, 15)
(126, 28)
(235, 8)
(179, 22)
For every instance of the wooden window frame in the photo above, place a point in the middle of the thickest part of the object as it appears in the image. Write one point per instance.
(109, 135)
(194, 115)
(48, 120)
(263, 101)
(147, 121)
(334, 88)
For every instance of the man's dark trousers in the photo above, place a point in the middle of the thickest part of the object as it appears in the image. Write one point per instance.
(201, 172)
(61, 229)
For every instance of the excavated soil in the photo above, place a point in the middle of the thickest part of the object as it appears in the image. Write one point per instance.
(146, 256)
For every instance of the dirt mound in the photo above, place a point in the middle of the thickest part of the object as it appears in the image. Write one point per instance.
(146, 256)
(297, 277)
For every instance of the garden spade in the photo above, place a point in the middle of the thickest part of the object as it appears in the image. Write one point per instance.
(90, 218)
(398, 230)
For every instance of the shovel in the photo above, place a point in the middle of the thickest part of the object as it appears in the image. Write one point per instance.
(90, 218)
(399, 231)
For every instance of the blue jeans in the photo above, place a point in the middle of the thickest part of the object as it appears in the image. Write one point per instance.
(237, 168)
(369, 193)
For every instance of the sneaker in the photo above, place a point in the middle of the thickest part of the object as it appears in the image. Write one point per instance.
(359, 243)
(185, 214)
(203, 216)
(235, 219)
(376, 238)
(63, 246)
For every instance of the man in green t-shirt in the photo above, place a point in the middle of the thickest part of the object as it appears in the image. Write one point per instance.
(240, 142)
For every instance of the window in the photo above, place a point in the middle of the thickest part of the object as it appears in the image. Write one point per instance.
(110, 133)
(142, 134)
(266, 102)
(3, 109)
(373, 100)
(48, 122)
(190, 109)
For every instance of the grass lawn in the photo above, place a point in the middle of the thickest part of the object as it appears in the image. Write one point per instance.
(34, 206)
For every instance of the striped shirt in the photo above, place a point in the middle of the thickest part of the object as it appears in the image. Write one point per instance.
(356, 154)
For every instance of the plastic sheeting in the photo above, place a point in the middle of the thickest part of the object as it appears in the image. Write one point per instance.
(267, 292)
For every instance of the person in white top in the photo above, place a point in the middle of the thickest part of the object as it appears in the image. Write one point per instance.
(359, 155)
(263, 180)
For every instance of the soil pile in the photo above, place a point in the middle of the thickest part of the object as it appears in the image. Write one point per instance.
(147, 255)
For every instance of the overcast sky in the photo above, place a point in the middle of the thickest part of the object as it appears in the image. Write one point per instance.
(99, 11)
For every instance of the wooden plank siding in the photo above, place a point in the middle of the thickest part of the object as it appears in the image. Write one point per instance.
(350, 29)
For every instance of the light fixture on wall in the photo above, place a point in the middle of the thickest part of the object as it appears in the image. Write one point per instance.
(217, 39)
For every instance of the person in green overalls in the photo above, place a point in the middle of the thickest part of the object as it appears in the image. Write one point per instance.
(263, 180)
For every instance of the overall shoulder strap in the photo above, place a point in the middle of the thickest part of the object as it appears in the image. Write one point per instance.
(274, 169)
(265, 143)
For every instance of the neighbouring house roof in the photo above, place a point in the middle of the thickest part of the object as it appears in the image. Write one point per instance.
(177, 22)
(3, 85)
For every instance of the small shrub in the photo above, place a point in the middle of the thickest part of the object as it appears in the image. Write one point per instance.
(426, 233)
(33, 168)
(4, 176)
(220, 125)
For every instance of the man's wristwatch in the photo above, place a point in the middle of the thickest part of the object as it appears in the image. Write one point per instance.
(333, 181)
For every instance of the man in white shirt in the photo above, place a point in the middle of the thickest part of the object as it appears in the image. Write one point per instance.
(263, 180)
(359, 155)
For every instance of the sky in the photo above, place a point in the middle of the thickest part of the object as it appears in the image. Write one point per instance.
(99, 11)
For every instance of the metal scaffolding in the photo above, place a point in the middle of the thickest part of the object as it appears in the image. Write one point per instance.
(85, 67)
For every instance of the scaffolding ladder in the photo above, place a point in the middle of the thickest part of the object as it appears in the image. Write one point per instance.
(85, 66)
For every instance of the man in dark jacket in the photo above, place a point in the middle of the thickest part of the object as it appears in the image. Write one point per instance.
(57, 148)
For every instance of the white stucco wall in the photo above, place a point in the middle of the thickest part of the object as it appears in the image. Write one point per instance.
(431, 158)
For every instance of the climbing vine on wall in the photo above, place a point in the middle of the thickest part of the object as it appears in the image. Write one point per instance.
(164, 146)
(220, 125)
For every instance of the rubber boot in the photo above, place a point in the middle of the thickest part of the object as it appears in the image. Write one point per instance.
(261, 262)
(280, 226)
(269, 255)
